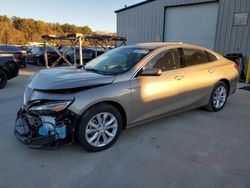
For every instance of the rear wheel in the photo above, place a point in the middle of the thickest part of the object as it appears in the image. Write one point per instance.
(218, 97)
(99, 127)
(3, 79)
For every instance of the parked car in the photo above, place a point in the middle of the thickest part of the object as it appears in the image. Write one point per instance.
(23, 49)
(68, 50)
(123, 87)
(19, 55)
(88, 53)
(29, 48)
(35, 55)
(8, 68)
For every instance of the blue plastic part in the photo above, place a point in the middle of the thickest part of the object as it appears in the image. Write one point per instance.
(47, 130)
(61, 131)
(42, 131)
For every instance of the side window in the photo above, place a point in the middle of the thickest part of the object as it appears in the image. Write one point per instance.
(195, 57)
(33, 50)
(211, 57)
(166, 60)
(40, 50)
(36, 51)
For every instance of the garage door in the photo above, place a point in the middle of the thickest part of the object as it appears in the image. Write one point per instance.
(195, 24)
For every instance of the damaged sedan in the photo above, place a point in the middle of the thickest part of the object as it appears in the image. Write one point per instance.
(126, 86)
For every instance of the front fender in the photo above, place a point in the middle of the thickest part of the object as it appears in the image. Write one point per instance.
(117, 92)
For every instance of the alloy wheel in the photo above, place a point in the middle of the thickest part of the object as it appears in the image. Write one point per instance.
(219, 97)
(101, 129)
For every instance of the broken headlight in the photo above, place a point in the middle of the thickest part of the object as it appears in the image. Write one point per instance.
(51, 107)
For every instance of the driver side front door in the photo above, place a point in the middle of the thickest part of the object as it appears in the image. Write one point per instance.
(157, 95)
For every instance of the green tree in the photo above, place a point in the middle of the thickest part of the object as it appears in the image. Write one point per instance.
(16, 30)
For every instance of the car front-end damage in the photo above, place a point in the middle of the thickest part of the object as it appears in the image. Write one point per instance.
(46, 123)
(45, 119)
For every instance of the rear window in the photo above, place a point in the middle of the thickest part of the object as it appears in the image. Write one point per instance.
(195, 57)
(211, 57)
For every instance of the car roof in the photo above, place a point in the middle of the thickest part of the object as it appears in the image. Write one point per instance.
(9, 48)
(152, 45)
(156, 45)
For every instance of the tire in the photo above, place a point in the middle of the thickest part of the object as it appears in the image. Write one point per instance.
(3, 79)
(220, 90)
(90, 130)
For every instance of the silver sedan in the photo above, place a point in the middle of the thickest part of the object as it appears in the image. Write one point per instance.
(123, 87)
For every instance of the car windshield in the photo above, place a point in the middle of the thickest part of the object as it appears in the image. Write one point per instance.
(117, 61)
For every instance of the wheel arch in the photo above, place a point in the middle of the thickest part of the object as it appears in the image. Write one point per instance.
(227, 82)
(116, 104)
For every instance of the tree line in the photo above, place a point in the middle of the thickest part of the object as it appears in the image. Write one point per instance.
(16, 30)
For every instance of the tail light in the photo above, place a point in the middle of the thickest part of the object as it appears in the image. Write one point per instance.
(236, 67)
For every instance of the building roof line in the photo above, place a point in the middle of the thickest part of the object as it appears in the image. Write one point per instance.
(135, 5)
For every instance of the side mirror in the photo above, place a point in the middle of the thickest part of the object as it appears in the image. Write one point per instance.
(150, 72)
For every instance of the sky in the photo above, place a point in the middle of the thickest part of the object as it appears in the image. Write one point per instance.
(97, 14)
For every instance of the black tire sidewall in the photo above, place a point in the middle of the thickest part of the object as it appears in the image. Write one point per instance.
(86, 117)
(211, 103)
(4, 79)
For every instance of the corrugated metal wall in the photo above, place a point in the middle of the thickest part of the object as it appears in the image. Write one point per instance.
(230, 38)
(142, 23)
(145, 23)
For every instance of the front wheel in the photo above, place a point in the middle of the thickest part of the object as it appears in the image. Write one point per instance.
(99, 127)
(218, 97)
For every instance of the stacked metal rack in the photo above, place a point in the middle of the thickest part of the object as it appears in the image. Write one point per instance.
(77, 39)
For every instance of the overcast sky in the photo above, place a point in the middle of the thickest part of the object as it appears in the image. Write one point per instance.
(97, 14)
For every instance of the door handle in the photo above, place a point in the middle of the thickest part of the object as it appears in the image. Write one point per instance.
(179, 77)
(211, 70)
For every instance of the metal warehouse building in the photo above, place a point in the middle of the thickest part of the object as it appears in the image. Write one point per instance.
(222, 25)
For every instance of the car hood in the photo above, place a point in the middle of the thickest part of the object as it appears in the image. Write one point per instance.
(67, 78)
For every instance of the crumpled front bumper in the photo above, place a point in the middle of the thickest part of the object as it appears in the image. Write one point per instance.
(30, 128)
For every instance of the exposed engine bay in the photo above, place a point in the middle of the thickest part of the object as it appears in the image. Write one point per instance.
(45, 131)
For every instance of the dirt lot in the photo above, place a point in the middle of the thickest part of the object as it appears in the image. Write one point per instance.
(191, 149)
